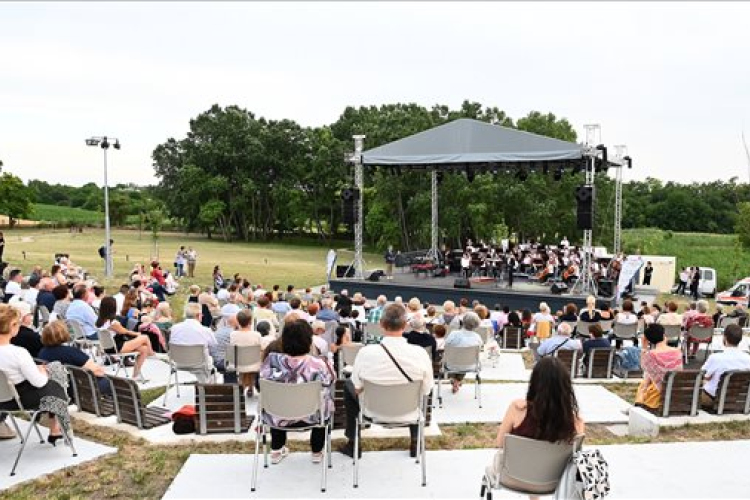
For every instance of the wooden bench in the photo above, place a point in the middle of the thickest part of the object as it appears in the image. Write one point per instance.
(221, 409)
(599, 362)
(512, 338)
(129, 406)
(86, 394)
(732, 394)
(569, 358)
(680, 393)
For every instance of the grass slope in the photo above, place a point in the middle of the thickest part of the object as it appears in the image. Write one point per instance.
(54, 213)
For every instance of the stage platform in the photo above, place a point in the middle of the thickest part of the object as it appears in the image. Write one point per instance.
(436, 290)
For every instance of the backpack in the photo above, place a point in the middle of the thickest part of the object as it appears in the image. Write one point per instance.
(586, 477)
(102, 251)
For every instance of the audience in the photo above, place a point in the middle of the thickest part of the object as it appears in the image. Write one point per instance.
(418, 335)
(731, 358)
(463, 337)
(561, 340)
(657, 358)
(26, 336)
(127, 341)
(595, 341)
(700, 318)
(84, 314)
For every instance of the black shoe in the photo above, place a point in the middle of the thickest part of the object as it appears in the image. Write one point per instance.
(53, 439)
(348, 449)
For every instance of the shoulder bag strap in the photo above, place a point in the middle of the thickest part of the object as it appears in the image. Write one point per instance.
(553, 351)
(396, 363)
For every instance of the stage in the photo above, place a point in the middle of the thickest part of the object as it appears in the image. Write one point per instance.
(435, 290)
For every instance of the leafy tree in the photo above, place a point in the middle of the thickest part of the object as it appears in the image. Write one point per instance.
(15, 198)
(742, 226)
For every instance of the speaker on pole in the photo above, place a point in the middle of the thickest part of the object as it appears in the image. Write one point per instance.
(585, 207)
(349, 212)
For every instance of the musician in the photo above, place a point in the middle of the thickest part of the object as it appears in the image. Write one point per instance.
(570, 274)
(466, 264)
(512, 264)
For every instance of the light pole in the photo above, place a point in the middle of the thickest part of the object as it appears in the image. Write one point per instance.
(104, 143)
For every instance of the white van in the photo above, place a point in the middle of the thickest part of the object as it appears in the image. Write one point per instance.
(738, 294)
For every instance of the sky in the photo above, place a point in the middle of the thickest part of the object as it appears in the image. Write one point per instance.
(670, 81)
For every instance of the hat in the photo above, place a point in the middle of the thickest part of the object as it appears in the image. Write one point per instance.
(23, 307)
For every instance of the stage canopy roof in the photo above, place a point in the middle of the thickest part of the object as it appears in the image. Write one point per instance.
(466, 142)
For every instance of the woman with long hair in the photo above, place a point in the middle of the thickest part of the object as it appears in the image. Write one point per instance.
(549, 412)
(130, 305)
(126, 340)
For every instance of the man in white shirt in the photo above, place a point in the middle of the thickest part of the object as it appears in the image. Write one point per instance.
(84, 314)
(374, 364)
(13, 287)
(192, 332)
(732, 358)
(120, 296)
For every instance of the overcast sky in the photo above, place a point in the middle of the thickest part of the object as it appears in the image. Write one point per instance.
(670, 81)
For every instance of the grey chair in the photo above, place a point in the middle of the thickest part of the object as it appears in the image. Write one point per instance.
(79, 338)
(10, 403)
(238, 356)
(673, 334)
(528, 466)
(701, 334)
(347, 356)
(390, 406)
(291, 402)
(372, 334)
(188, 358)
(463, 361)
(112, 353)
(622, 332)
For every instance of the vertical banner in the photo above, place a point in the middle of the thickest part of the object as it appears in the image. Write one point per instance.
(330, 263)
(630, 268)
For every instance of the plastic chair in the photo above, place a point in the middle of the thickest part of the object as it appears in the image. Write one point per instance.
(10, 402)
(347, 356)
(241, 355)
(529, 466)
(625, 332)
(398, 405)
(461, 360)
(188, 358)
(79, 338)
(291, 402)
(107, 343)
(700, 334)
(673, 334)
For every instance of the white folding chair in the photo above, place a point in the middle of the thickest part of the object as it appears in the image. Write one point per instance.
(112, 353)
(79, 338)
(10, 403)
(291, 402)
(625, 332)
(347, 355)
(462, 361)
(398, 405)
(700, 334)
(372, 334)
(188, 358)
(241, 355)
(673, 333)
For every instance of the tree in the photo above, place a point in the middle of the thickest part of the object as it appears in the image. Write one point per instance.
(742, 226)
(15, 198)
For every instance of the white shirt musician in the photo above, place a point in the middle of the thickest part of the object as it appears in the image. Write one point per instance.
(466, 263)
(565, 243)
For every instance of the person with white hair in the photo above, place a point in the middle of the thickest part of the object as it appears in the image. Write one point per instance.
(542, 322)
(417, 334)
(377, 312)
(319, 341)
(466, 336)
(700, 318)
(414, 308)
(449, 312)
(559, 341)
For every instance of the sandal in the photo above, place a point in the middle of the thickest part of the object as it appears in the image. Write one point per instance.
(279, 455)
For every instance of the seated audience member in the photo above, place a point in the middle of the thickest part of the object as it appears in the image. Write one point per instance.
(267, 334)
(740, 312)
(13, 286)
(499, 317)
(526, 320)
(548, 413)
(700, 318)
(542, 322)
(26, 336)
(37, 385)
(670, 317)
(657, 358)
(570, 313)
(312, 312)
(244, 335)
(45, 297)
(55, 336)
(281, 306)
(463, 337)
(295, 365)
(163, 316)
(326, 312)
(561, 340)
(376, 312)
(414, 308)
(484, 317)
(191, 331)
(691, 311)
(319, 342)
(195, 292)
(514, 320)
(625, 317)
(596, 340)
(439, 332)
(449, 312)
(590, 314)
(731, 358)
(374, 363)
(218, 350)
(83, 313)
(418, 335)
(130, 305)
(264, 313)
(97, 292)
(431, 317)
(62, 301)
(605, 311)
(125, 340)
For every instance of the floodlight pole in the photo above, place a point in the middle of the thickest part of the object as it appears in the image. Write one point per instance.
(104, 143)
(620, 151)
(359, 264)
(433, 253)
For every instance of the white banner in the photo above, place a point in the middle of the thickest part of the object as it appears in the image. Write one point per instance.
(330, 262)
(630, 268)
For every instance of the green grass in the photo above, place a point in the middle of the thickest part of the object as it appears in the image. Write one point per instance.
(719, 251)
(54, 213)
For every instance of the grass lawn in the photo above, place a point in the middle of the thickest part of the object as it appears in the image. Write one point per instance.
(55, 213)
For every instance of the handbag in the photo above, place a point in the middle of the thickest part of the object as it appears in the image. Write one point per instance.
(648, 395)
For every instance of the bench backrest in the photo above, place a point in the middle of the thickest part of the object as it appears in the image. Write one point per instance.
(599, 362)
(128, 403)
(220, 409)
(733, 393)
(85, 395)
(680, 393)
(512, 337)
(569, 358)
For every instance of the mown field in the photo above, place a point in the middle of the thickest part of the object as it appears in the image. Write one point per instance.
(719, 251)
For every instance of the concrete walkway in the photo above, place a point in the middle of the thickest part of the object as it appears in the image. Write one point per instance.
(41, 459)
(636, 471)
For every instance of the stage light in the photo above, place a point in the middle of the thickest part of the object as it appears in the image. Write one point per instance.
(92, 142)
(117, 143)
(629, 161)
(105, 143)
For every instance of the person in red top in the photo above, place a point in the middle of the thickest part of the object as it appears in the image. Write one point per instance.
(700, 318)
(157, 274)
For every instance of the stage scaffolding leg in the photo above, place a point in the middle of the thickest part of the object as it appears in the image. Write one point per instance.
(585, 284)
(359, 263)
(433, 253)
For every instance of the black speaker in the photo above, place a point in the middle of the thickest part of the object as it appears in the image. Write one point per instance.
(349, 212)
(559, 288)
(461, 283)
(375, 275)
(606, 288)
(585, 209)
(344, 271)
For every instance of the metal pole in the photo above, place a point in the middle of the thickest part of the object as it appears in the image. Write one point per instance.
(359, 265)
(434, 226)
(585, 284)
(617, 244)
(107, 246)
